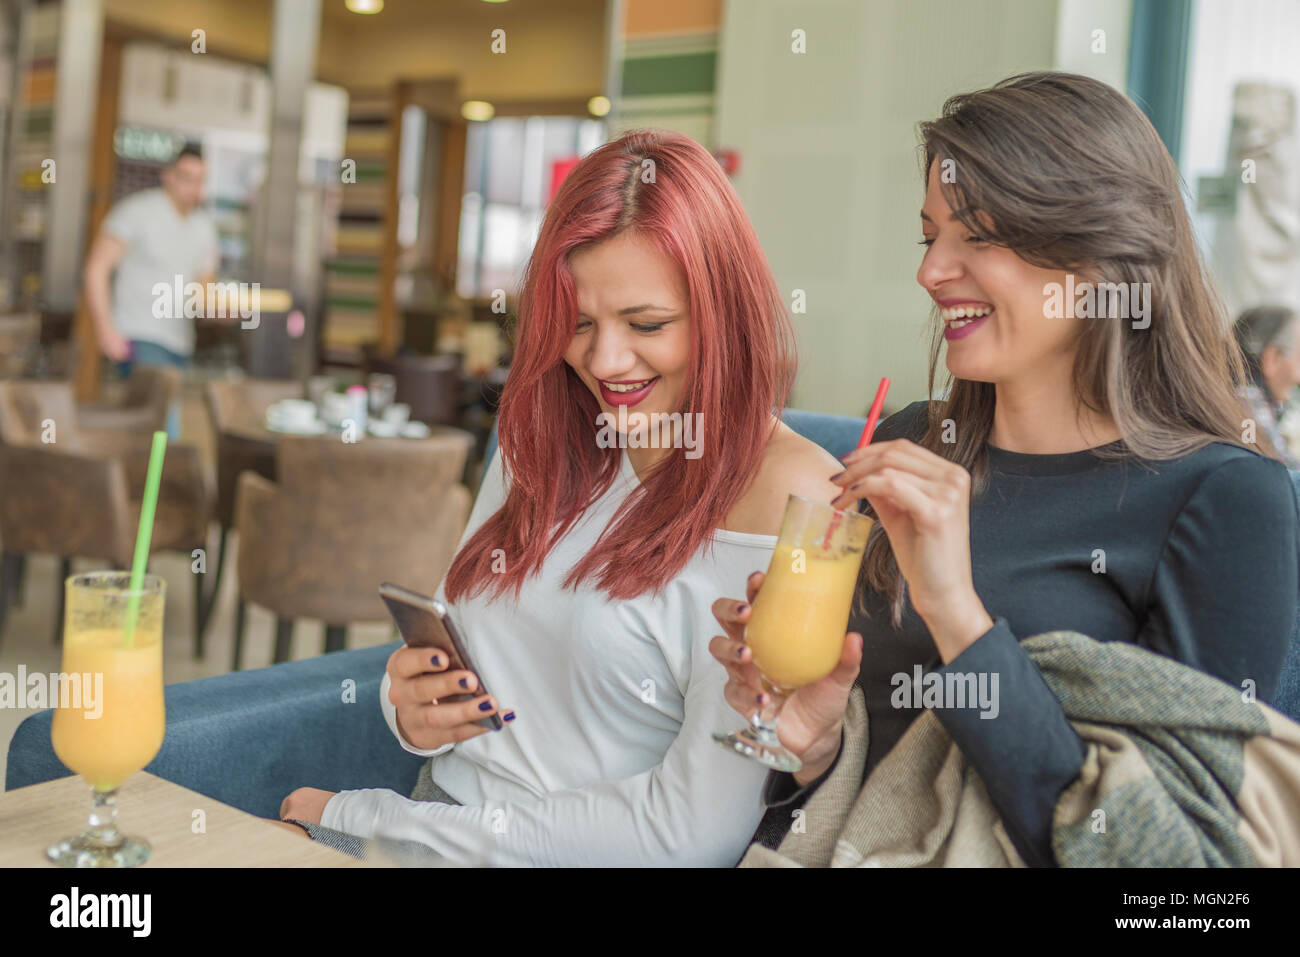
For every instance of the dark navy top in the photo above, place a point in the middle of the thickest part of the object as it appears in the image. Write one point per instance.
(1200, 564)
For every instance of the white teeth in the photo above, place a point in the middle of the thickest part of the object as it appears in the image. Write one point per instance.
(630, 387)
(956, 316)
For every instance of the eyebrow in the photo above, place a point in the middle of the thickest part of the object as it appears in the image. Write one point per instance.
(636, 310)
(954, 215)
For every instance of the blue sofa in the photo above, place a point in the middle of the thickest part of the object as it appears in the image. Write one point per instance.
(250, 737)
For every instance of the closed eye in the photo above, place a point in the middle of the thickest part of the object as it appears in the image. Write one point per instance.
(644, 327)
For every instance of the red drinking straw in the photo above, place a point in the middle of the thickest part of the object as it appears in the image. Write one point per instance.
(867, 431)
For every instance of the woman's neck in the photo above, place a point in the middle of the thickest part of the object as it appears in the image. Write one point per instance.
(1041, 418)
(644, 460)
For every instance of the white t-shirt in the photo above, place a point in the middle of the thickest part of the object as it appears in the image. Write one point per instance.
(160, 246)
(611, 760)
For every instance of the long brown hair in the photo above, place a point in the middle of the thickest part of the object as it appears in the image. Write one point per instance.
(1069, 174)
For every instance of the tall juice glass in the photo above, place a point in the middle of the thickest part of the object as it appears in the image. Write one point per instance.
(796, 630)
(114, 726)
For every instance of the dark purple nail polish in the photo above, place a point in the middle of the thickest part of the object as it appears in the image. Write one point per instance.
(435, 661)
(464, 682)
(740, 653)
(508, 716)
(485, 706)
(741, 608)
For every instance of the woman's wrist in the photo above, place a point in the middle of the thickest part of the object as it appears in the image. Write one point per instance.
(956, 623)
(815, 762)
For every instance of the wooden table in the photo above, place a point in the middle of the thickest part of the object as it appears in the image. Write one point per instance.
(34, 817)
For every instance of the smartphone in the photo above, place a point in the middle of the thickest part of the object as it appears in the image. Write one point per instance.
(424, 623)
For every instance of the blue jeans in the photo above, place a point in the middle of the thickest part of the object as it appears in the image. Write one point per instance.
(151, 354)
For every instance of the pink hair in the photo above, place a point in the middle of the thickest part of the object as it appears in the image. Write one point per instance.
(672, 192)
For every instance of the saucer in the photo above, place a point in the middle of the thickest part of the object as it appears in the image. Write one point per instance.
(285, 428)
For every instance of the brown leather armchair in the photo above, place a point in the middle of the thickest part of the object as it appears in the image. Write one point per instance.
(143, 404)
(342, 518)
(76, 493)
(232, 404)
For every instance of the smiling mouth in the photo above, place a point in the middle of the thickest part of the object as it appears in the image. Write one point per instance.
(625, 386)
(956, 318)
(626, 393)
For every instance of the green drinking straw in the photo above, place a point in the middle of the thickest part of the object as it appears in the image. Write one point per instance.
(145, 533)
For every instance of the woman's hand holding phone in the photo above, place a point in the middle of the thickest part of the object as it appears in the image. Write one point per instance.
(419, 679)
(813, 717)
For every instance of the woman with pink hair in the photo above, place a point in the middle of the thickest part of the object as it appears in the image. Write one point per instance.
(643, 470)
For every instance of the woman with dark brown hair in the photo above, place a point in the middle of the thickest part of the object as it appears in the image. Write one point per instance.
(1086, 471)
(1270, 339)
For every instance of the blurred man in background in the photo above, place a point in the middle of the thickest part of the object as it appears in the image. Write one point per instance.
(150, 237)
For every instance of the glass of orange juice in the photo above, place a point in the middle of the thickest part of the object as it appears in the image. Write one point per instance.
(796, 630)
(109, 720)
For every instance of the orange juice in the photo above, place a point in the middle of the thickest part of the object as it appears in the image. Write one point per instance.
(802, 612)
(129, 730)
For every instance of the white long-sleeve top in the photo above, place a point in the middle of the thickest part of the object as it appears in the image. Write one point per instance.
(610, 761)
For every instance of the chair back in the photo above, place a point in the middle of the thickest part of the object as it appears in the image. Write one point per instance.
(229, 404)
(349, 516)
(246, 400)
(153, 387)
(43, 494)
(27, 405)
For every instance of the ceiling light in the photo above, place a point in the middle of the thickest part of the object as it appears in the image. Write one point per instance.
(477, 110)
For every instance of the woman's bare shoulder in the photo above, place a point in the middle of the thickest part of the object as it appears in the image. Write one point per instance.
(791, 464)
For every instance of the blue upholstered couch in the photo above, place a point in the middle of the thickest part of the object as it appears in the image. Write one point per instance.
(249, 738)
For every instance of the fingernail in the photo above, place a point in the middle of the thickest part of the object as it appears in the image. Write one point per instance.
(436, 661)
(839, 475)
(758, 699)
(742, 608)
(464, 682)
(740, 653)
(485, 706)
(508, 716)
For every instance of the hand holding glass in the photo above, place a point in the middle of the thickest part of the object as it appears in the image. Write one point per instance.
(796, 629)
